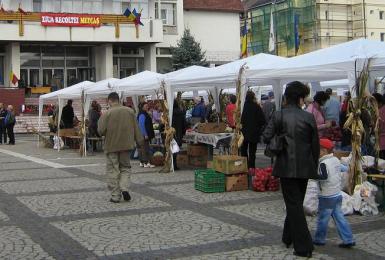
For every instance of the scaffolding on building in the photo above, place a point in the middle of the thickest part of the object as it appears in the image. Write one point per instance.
(319, 25)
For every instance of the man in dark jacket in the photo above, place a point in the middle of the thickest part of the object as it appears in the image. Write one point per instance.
(3, 130)
(68, 115)
(10, 121)
(253, 121)
(297, 162)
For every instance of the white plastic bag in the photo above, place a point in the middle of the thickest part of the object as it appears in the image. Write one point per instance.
(56, 142)
(364, 199)
(310, 203)
(174, 146)
(347, 204)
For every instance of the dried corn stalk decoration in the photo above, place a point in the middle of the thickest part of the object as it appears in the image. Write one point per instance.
(222, 103)
(168, 131)
(82, 129)
(237, 140)
(364, 102)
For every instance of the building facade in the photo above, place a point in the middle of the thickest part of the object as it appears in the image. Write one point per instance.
(57, 43)
(302, 26)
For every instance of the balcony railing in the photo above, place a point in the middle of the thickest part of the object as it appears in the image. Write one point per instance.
(21, 17)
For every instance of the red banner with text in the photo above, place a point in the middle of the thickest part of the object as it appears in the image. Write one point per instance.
(75, 20)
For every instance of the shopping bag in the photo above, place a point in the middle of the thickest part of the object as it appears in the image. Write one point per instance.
(174, 146)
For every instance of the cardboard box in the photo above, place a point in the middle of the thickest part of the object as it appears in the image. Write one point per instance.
(211, 128)
(182, 159)
(209, 164)
(197, 150)
(230, 164)
(236, 182)
(68, 132)
(198, 161)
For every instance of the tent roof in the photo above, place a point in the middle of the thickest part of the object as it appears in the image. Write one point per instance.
(324, 64)
(145, 82)
(103, 87)
(70, 92)
(223, 76)
(148, 82)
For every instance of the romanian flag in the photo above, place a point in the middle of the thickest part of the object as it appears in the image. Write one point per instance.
(244, 41)
(14, 80)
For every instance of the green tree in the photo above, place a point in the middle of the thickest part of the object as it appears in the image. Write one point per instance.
(187, 53)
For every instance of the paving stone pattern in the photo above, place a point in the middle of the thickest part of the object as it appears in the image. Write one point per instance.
(48, 213)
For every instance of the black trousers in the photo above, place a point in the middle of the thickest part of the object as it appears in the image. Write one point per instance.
(11, 134)
(248, 150)
(295, 229)
(3, 134)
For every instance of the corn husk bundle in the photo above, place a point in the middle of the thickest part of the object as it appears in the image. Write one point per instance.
(82, 128)
(236, 141)
(364, 102)
(168, 131)
(47, 142)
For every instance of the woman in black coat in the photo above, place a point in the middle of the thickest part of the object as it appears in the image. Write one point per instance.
(253, 121)
(179, 124)
(297, 163)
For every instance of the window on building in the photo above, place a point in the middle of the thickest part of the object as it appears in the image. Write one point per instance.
(125, 5)
(382, 15)
(383, 37)
(327, 15)
(37, 6)
(167, 13)
(56, 6)
(371, 11)
(34, 78)
(66, 6)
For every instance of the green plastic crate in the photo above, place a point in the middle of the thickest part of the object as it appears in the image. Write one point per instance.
(209, 181)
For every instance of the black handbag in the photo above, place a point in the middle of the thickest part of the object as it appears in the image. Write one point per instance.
(276, 144)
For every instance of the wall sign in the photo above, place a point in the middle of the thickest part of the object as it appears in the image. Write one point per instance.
(72, 20)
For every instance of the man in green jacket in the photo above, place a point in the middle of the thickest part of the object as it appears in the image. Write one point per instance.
(121, 132)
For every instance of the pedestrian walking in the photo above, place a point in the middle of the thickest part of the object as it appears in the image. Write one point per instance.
(253, 121)
(269, 106)
(3, 129)
(301, 144)
(121, 132)
(10, 121)
(330, 198)
(93, 118)
(148, 133)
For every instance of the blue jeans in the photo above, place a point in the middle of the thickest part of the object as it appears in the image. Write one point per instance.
(332, 207)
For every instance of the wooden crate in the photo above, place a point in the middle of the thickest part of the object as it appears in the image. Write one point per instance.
(236, 182)
(211, 128)
(198, 161)
(182, 159)
(230, 164)
(197, 150)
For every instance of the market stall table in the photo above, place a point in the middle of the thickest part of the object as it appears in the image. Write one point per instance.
(214, 140)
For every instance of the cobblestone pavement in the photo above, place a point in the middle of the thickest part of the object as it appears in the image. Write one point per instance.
(54, 205)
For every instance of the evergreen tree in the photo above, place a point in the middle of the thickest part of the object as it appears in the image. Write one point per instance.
(187, 53)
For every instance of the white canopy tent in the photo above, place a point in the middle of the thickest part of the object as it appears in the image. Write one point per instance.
(73, 91)
(337, 62)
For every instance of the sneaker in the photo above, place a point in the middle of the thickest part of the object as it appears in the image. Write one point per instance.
(141, 164)
(149, 165)
(114, 201)
(126, 195)
(349, 245)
